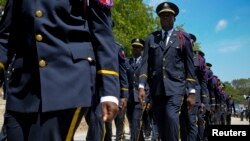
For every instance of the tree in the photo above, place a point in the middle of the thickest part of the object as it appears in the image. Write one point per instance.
(230, 90)
(243, 85)
(132, 19)
(2, 2)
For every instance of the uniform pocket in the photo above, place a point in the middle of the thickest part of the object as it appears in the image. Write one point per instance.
(83, 52)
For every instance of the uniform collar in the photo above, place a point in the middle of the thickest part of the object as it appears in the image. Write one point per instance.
(169, 32)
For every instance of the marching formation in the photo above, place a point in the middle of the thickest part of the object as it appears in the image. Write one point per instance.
(62, 64)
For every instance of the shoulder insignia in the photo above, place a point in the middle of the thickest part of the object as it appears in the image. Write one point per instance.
(106, 3)
(122, 54)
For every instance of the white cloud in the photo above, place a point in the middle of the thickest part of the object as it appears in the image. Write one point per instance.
(230, 46)
(222, 24)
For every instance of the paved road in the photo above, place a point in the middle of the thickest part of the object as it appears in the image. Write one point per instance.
(81, 136)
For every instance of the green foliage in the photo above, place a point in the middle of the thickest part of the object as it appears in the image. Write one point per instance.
(238, 88)
(2, 2)
(242, 85)
(132, 19)
(197, 46)
(238, 98)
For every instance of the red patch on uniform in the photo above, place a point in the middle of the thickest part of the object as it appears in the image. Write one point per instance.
(122, 54)
(106, 3)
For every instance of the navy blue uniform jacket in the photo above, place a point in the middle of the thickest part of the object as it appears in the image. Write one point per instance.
(122, 72)
(201, 82)
(168, 69)
(59, 50)
(133, 72)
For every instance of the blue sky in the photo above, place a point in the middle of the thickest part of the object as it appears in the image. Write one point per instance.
(222, 27)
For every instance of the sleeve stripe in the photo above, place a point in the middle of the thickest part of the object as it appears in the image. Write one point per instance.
(190, 79)
(1, 66)
(124, 89)
(108, 72)
(143, 75)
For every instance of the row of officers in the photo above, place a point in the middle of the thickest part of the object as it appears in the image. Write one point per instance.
(171, 91)
(213, 106)
(166, 85)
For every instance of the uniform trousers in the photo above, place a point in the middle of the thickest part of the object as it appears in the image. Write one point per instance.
(166, 110)
(43, 126)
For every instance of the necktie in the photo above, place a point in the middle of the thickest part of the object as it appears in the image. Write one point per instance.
(165, 36)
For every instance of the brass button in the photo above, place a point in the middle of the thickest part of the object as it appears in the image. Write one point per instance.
(163, 59)
(39, 13)
(39, 37)
(42, 63)
(89, 59)
(163, 68)
(164, 76)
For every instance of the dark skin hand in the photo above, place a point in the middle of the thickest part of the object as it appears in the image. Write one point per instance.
(124, 102)
(142, 96)
(190, 101)
(203, 107)
(109, 111)
(149, 107)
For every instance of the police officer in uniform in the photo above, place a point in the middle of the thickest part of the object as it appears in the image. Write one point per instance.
(99, 130)
(230, 109)
(211, 91)
(167, 65)
(223, 109)
(204, 95)
(217, 111)
(120, 118)
(134, 108)
(62, 48)
(192, 121)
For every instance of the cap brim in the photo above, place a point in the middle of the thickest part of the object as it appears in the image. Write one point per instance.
(167, 11)
(137, 44)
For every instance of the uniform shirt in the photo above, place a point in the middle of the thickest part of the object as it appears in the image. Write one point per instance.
(168, 34)
(137, 60)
